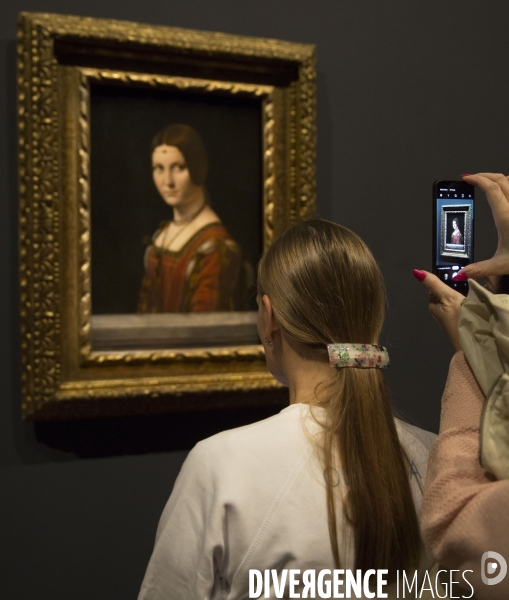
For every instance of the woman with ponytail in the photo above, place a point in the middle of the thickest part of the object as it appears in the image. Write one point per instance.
(333, 481)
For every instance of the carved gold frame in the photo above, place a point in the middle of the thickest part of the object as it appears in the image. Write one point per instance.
(58, 57)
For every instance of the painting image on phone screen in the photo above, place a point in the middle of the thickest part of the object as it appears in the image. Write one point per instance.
(453, 228)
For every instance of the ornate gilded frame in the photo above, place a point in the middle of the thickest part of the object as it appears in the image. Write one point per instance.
(58, 57)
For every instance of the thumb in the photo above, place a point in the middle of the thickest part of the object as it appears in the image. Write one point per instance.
(497, 265)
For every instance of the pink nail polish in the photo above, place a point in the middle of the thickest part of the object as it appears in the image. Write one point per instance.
(466, 175)
(460, 277)
(420, 275)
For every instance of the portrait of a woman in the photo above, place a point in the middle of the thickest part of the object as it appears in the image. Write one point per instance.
(192, 263)
(456, 236)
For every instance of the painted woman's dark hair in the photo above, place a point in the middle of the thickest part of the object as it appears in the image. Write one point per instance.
(190, 143)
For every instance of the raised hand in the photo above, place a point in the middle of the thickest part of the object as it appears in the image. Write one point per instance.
(444, 304)
(496, 188)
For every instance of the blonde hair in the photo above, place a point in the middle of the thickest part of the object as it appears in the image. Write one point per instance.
(326, 287)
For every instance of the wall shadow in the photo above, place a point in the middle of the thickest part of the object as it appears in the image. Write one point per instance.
(115, 436)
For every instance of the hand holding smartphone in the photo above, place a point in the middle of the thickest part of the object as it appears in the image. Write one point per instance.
(453, 230)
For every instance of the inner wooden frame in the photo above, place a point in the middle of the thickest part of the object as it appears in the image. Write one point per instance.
(76, 82)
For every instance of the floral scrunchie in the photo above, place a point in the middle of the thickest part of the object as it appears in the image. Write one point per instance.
(361, 356)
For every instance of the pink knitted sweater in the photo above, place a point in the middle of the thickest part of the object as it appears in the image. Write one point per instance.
(465, 511)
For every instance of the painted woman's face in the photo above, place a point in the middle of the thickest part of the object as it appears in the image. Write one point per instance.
(455, 225)
(171, 176)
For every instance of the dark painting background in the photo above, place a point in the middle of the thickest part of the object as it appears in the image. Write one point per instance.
(408, 92)
(126, 208)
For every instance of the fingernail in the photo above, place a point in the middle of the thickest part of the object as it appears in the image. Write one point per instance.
(460, 277)
(467, 175)
(420, 275)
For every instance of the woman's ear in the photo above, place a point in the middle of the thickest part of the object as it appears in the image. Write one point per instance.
(270, 325)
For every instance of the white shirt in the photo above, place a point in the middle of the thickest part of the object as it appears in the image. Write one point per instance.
(254, 498)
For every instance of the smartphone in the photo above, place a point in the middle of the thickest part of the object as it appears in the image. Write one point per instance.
(453, 230)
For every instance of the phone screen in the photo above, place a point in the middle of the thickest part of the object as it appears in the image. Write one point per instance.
(453, 230)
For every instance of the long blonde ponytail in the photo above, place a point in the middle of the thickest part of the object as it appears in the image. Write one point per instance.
(326, 287)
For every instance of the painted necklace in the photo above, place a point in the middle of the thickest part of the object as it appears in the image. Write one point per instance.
(184, 224)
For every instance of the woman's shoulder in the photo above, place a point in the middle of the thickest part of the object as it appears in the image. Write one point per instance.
(209, 238)
(275, 439)
(253, 465)
(212, 238)
(214, 229)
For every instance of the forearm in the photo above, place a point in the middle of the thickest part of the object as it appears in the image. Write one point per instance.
(464, 511)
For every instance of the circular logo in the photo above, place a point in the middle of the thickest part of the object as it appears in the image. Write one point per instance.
(490, 563)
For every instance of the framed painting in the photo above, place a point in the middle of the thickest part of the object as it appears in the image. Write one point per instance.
(155, 166)
(456, 231)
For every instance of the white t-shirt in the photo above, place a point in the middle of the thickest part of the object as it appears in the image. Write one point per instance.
(254, 498)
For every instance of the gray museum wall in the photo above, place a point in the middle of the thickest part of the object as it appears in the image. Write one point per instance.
(407, 92)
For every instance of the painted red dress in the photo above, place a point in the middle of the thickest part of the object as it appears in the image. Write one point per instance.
(456, 237)
(200, 277)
